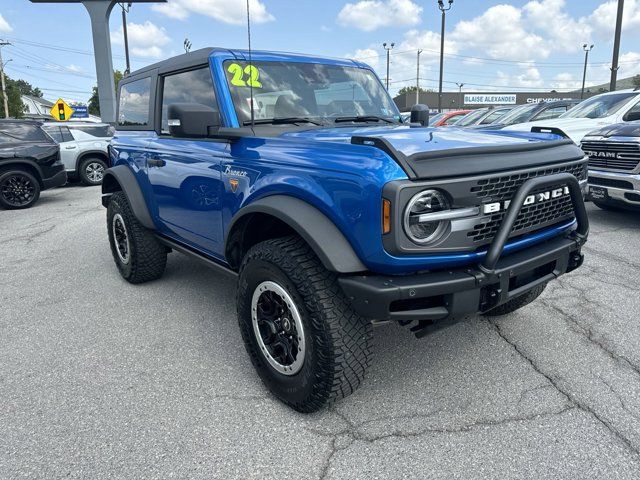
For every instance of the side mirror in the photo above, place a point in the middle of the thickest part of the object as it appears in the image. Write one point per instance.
(192, 120)
(632, 116)
(420, 114)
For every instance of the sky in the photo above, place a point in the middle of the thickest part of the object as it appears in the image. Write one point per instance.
(504, 46)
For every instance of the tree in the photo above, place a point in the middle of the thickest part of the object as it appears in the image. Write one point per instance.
(16, 107)
(636, 81)
(412, 89)
(26, 88)
(94, 101)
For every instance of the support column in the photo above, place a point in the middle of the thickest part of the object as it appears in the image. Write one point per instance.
(99, 13)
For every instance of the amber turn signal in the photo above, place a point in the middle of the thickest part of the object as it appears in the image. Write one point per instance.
(386, 216)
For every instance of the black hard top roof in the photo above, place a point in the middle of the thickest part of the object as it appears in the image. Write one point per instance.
(185, 60)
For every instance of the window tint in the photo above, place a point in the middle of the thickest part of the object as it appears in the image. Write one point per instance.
(493, 116)
(134, 103)
(100, 131)
(66, 134)
(552, 112)
(54, 132)
(194, 86)
(21, 132)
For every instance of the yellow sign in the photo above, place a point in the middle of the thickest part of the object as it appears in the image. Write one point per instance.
(61, 111)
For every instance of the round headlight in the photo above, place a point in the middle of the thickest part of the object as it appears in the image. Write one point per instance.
(419, 229)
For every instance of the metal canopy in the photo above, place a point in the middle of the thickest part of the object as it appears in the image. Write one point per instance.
(99, 11)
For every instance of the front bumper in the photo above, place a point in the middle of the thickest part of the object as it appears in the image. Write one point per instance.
(436, 299)
(620, 187)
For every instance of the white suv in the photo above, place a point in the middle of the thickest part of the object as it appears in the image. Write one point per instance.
(594, 113)
(83, 148)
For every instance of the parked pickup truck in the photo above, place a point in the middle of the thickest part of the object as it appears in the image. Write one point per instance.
(614, 166)
(294, 175)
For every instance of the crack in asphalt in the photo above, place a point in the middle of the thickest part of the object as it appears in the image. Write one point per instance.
(28, 238)
(344, 438)
(570, 397)
(623, 404)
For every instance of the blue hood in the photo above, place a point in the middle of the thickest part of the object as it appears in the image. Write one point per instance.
(410, 141)
(448, 152)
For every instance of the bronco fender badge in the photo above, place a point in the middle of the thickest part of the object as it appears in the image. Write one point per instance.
(530, 200)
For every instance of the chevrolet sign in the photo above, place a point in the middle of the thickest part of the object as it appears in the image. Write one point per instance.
(530, 200)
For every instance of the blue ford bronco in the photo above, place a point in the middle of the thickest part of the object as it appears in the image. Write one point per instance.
(296, 175)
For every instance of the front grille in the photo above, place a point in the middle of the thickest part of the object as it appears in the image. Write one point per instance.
(624, 156)
(531, 217)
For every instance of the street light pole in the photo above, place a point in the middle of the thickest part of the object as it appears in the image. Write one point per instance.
(443, 9)
(4, 87)
(587, 49)
(616, 47)
(418, 79)
(460, 85)
(127, 70)
(388, 48)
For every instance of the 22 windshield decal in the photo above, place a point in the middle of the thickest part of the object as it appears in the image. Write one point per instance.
(247, 77)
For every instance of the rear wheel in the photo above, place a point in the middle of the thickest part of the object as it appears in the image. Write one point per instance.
(92, 171)
(18, 189)
(307, 344)
(138, 254)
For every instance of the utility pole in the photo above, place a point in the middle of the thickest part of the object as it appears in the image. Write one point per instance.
(125, 10)
(388, 48)
(460, 85)
(616, 47)
(418, 79)
(4, 43)
(444, 10)
(587, 49)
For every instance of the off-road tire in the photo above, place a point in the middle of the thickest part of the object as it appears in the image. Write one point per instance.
(517, 303)
(147, 257)
(23, 176)
(338, 341)
(83, 174)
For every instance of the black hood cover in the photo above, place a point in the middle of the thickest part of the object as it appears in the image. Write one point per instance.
(629, 129)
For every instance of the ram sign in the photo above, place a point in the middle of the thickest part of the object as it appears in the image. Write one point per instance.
(490, 99)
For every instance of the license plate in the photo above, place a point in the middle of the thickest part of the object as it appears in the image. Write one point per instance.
(598, 193)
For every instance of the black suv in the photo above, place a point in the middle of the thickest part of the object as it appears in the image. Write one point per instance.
(29, 163)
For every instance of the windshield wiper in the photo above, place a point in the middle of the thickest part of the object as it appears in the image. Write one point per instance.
(363, 118)
(281, 121)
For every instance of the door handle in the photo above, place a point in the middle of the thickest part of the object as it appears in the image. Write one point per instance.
(156, 162)
(70, 147)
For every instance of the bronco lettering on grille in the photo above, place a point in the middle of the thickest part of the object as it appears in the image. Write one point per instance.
(530, 200)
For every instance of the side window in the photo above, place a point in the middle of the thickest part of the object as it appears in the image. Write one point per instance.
(633, 114)
(54, 132)
(193, 86)
(135, 98)
(66, 134)
(18, 131)
(552, 112)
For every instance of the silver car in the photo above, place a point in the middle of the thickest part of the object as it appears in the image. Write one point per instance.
(83, 148)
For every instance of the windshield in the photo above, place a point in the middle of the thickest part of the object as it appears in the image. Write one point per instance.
(320, 92)
(518, 115)
(599, 106)
(471, 118)
(436, 118)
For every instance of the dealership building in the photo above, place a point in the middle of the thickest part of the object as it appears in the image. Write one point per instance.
(470, 100)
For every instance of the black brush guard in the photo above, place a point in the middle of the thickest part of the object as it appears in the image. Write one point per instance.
(437, 299)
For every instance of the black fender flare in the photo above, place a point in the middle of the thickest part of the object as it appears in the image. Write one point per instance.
(24, 161)
(91, 153)
(325, 239)
(122, 176)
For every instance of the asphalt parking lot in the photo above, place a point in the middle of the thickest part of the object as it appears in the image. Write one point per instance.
(102, 379)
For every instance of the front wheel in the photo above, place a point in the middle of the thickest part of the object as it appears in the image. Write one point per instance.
(18, 189)
(307, 344)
